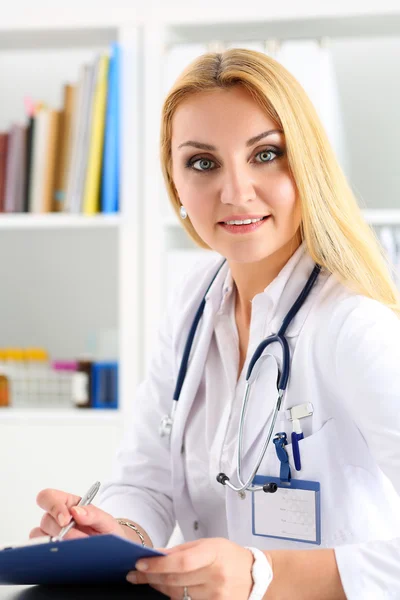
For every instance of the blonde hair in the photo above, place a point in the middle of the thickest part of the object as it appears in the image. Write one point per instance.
(333, 227)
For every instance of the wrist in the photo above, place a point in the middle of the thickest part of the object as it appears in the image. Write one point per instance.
(131, 527)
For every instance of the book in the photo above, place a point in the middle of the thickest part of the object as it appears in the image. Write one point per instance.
(77, 126)
(20, 172)
(28, 160)
(3, 165)
(63, 157)
(91, 204)
(109, 197)
(83, 150)
(15, 171)
(47, 204)
(39, 155)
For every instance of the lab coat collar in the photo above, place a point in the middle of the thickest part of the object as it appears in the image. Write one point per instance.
(277, 298)
(227, 290)
(283, 291)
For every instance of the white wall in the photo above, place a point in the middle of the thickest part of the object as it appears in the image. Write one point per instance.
(59, 289)
(70, 457)
(76, 12)
(370, 96)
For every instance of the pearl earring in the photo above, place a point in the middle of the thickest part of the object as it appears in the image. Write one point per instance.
(183, 212)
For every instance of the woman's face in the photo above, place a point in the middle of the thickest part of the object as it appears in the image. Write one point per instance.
(229, 164)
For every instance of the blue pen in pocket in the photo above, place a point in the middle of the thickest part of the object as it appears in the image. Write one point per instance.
(297, 435)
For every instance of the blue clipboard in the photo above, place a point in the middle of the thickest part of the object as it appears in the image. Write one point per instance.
(94, 559)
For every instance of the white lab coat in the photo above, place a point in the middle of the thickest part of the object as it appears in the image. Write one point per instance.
(346, 361)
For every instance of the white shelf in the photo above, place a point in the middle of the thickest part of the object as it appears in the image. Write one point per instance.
(57, 221)
(65, 416)
(59, 37)
(384, 216)
(241, 29)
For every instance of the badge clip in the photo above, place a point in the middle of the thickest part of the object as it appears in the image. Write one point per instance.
(280, 441)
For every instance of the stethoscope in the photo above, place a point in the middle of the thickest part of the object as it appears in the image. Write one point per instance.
(283, 376)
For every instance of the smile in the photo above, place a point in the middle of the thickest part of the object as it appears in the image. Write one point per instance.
(243, 226)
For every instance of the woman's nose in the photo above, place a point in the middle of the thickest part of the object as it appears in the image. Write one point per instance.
(237, 188)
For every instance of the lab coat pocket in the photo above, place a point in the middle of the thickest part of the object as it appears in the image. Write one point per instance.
(317, 452)
(320, 453)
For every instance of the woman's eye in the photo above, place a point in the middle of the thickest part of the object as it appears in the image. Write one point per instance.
(204, 164)
(265, 155)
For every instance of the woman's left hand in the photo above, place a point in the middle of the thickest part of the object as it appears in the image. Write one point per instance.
(210, 568)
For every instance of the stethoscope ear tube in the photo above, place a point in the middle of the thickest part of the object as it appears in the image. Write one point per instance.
(284, 373)
(189, 342)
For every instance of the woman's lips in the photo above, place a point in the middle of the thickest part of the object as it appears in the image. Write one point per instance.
(238, 229)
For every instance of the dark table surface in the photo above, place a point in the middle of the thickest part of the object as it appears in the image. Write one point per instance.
(76, 592)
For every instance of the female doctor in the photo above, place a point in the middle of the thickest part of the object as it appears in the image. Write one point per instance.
(250, 170)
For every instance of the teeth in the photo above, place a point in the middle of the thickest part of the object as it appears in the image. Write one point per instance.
(246, 222)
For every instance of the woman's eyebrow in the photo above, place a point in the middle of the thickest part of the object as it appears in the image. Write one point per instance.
(250, 142)
(260, 136)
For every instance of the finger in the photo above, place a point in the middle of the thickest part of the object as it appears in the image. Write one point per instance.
(136, 577)
(37, 532)
(189, 558)
(50, 527)
(95, 518)
(172, 580)
(57, 504)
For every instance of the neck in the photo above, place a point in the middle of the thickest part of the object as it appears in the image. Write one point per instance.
(252, 278)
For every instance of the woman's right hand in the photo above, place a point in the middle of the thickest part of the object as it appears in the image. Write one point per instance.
(61, 507)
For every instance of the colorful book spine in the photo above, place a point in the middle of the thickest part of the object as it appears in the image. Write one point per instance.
(95, 149)
(28, 160)
(104, 385)
(64, 147)
(39, 156)
(110, 173)
(49, 173)
(3, 167)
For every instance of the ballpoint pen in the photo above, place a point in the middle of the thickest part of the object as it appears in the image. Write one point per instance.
(297, 435)
(84, 501)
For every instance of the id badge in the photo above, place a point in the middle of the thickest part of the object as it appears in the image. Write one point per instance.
(292, 513)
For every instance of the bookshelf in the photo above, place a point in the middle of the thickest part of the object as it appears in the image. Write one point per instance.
(79, 43)
(50, 447)
(72, 416)
(56, 37)
(58, 221)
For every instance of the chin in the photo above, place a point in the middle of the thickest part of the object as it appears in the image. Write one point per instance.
(245, 253)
